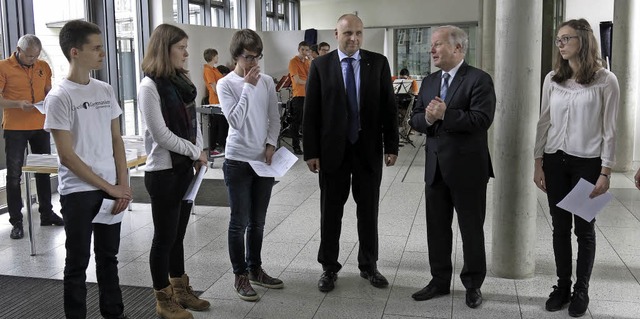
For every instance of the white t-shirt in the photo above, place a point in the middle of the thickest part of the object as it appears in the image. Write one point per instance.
(86, 111)
(253, 116)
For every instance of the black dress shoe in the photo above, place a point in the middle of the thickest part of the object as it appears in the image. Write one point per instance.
(429, 292)
(327, 280)
(17, 232)
(297, 151)
(474, 298)
(375, 278)
(51, 219)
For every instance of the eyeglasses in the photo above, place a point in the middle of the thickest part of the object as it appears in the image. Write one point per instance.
(251, 58)
(564, 40)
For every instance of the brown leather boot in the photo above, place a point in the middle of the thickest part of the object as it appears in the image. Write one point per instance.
(185, 296)
(167, 307)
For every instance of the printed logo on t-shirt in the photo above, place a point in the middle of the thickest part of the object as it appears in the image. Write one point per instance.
(93, 105)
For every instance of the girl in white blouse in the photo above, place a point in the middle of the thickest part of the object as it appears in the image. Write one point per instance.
(575, 139)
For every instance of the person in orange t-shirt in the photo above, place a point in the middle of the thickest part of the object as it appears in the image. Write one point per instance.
(24, 81)
(298, 71)
(218, 128)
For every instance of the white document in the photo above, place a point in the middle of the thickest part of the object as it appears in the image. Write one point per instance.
(40, 106)
(281, 162)
(104, 216)
(578, 202)
(192, 191)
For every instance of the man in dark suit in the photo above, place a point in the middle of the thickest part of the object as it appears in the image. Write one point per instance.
(350, 121)
(455, 108)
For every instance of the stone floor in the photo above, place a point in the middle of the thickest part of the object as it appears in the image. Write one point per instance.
(292, 237)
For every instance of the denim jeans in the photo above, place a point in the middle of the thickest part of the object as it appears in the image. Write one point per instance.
(78, 210)
(562, 172)
(170, 218)
(249, 196)
(15, 145)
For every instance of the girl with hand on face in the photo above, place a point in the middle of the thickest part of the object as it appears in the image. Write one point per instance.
(576, 137)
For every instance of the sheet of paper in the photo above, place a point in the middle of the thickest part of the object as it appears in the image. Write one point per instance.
(104, 216)
(192, 191)
(39, 106)
(281, 162)
(578, 202)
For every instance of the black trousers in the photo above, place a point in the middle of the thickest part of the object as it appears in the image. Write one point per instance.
(562, 172)
(218, 131)
(170, 218)
(470, 205)
(297, 107)
(15, 145)
(334, 192)
(78, 210)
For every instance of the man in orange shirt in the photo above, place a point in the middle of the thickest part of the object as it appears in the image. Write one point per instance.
(24, 81)
(218, 128)
(298, 71)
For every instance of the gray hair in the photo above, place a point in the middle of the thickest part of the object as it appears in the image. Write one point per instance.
(456, 36)
(29, 41)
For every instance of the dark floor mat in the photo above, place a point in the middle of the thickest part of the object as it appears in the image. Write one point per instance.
(38, 298)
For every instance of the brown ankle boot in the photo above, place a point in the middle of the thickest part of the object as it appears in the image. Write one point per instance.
(167, 307)
(185, 296)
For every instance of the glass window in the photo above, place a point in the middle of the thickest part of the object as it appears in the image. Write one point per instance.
(128, 60)
(217, 14)
(49, 17)
(2, 56)
(195, 14)
(281, 15)
(233, 14)
(413, 49)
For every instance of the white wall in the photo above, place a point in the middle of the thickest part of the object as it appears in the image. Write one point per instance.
(594, 11)
(323, 14)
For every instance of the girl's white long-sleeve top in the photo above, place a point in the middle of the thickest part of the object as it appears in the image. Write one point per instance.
(158, 139)
(579, 119)
(253, 116)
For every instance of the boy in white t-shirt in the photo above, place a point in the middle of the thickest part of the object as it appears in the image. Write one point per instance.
(82, 116)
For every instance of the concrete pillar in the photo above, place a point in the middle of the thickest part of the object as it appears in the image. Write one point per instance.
(517, 82)
(488, 30)
(488, 46)
(625, 56)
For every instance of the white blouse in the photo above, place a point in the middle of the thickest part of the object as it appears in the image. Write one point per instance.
(579, 119)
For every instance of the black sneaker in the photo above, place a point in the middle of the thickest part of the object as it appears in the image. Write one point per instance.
(51, 219)
(17, 232)
(559, 297)
(579, 303)
(260, 278)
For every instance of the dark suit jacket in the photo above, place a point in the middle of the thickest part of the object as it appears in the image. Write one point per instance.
(325, 111)
(458, 144)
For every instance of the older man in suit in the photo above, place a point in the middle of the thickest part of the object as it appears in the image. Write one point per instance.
(455, 108)
(350, 128)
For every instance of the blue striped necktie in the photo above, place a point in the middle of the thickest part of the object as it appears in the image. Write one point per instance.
(445, 85)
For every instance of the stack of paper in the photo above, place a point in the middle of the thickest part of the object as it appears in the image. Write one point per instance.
(45, 160)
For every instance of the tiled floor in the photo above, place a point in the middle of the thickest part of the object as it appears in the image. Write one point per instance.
(291, 243)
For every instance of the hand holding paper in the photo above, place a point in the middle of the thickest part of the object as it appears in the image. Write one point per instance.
(105, 216)
(578, 202)
(281, 162)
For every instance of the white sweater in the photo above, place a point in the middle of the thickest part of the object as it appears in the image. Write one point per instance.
(253, 116)
(158, 139)
(579, 119)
